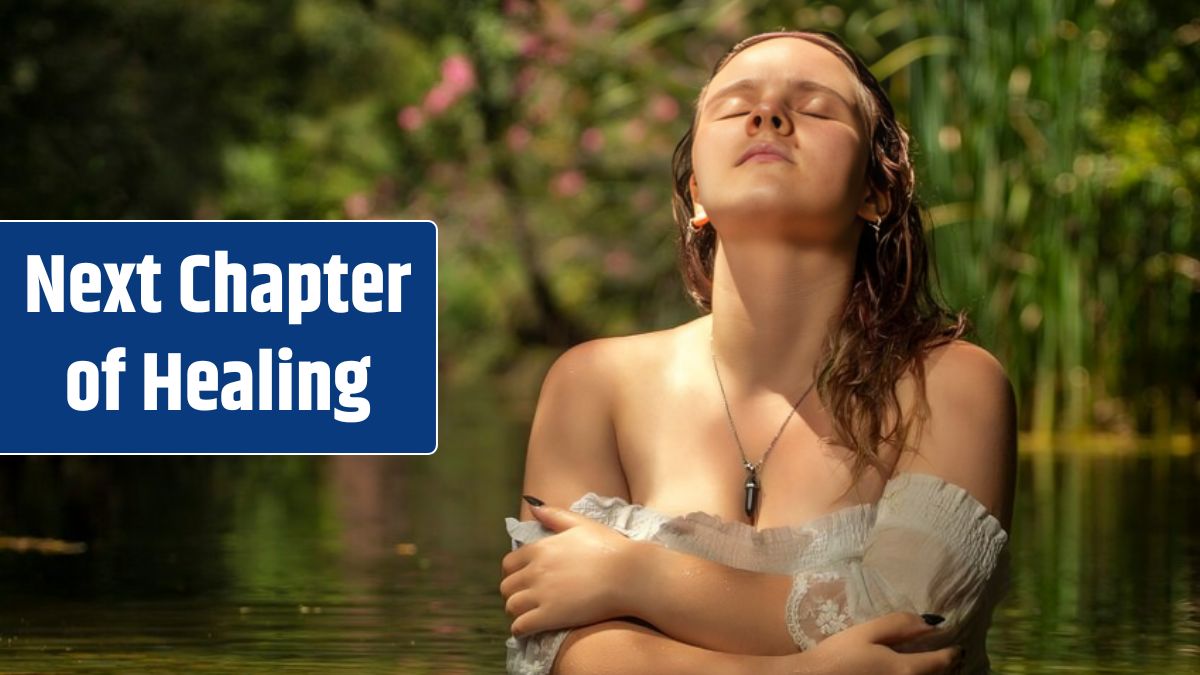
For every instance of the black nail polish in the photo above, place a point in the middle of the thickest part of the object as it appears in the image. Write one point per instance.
(933, 619)
(533, 501)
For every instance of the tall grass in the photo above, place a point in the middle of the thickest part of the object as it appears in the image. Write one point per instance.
(1088, 307)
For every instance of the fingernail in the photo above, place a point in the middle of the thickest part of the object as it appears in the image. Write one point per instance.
(533, 501)
(933, 619)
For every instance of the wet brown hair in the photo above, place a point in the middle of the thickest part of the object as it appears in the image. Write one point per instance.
(892, 318)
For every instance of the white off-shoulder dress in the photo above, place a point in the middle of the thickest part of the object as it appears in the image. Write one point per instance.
(926, 546)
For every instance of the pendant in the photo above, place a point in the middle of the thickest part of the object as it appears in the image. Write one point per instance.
(752, 489)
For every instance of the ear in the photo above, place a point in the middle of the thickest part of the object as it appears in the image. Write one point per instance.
(694, 188)
(875, 204)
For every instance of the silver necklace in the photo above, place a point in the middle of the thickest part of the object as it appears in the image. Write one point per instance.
(752, 468)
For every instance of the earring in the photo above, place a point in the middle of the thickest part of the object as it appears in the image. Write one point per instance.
(875, 225)
(700, 219)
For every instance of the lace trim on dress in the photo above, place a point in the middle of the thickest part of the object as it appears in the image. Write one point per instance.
(933, 548)
(813, 606)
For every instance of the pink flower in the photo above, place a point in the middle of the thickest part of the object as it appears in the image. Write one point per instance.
(357, 206)
(557, 54)
(664, 108)
(568, 183)
(438, 99)
(531, 45)
(458, 75)
(410, 118)
(525, 79)
(633, 6)
(634, 131)
(515, 7)
(644, 200)
(618, 263)
(592, 140)
(517, 137)
(603, 22)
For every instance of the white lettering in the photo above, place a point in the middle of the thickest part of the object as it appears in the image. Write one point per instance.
(153, 381)
(90, 395)
(85, 279)
(37, 282)
(114, 364)
(187, 296)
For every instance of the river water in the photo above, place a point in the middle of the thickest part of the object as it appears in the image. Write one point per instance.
(391, 564)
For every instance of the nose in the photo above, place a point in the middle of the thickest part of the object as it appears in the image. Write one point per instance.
(768, 114)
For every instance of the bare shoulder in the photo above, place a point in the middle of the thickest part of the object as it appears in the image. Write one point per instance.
(572, 442)
(596, 371)
(969, 436)
(966, 378)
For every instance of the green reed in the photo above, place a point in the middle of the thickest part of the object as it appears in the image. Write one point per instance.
(1087, 306)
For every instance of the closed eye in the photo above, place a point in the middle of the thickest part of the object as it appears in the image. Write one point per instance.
(810, 113)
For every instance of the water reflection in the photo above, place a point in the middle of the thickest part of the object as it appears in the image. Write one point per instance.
(1105, 558)
(381, 563)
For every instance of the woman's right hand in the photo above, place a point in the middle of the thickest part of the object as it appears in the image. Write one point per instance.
(866, 648)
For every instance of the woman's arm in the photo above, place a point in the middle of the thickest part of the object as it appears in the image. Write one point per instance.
(572, 451)
(572, 443)
(969, 441)
(626, 648)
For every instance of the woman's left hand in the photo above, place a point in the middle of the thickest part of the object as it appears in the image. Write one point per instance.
(574, 577)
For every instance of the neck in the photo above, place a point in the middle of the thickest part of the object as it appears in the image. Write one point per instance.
(773, 307)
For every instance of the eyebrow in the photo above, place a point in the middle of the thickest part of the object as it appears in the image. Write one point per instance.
(751, 83)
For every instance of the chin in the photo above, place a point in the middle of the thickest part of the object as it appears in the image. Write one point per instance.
(787, 221)
(772, 206)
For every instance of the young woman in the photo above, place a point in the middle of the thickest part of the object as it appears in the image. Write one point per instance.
(816, 475)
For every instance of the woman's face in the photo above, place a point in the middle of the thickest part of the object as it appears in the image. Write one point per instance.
(779, 148)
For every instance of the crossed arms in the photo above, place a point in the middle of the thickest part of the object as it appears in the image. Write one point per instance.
(699, 608)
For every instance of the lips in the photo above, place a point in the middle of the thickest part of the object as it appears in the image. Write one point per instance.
(766, 152)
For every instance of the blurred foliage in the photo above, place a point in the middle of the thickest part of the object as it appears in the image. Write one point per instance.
(1056, 143)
